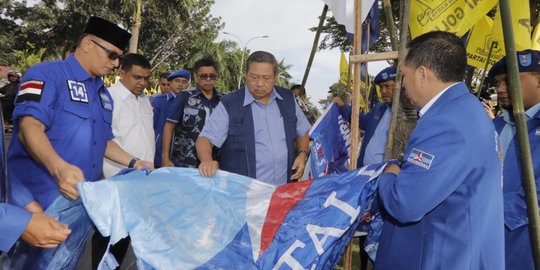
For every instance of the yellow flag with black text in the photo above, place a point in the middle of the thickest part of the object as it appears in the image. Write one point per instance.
(456, 16)
(343, 69)
(535, 42)
(479, 45)
(521, 24)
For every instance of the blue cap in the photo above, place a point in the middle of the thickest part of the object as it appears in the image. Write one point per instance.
(179, 73)
(528, 61)
(385, 75)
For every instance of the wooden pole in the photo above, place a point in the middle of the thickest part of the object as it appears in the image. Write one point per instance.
(365, 93)
(355, 103)
(313, 50)
(518, 112)
(373, 57)
(479, 89)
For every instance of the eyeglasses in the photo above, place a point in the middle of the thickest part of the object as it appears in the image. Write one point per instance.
(205, 76)
(111, 54)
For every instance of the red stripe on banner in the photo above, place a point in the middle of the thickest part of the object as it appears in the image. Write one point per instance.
(32, 84)
(283, 200)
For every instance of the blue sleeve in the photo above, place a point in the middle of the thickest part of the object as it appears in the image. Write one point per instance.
(363, 119)
(175, 110)
(155, 109)
(346, 112)
(437, 179)
(20, 194)
(43, 105)
(13, 222)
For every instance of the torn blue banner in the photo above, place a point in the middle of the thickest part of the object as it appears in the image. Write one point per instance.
(23, 256)
(331, 141)
(178, 219)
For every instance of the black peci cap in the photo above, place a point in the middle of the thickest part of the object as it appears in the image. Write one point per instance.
(108, 31)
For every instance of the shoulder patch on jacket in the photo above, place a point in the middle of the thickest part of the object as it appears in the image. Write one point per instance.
(421, 158)
(30, 91)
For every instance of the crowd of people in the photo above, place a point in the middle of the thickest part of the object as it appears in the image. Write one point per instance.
(447, 204)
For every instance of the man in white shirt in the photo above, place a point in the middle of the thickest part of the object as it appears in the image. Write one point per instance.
(132, 126)
(132, 121)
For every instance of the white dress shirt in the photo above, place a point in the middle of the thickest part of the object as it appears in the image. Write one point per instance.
(132, 126)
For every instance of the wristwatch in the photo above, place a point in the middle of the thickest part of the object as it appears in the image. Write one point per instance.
(132, 162)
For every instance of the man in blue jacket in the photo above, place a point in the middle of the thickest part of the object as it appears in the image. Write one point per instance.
(517, 239)
(376, 122)
(178, 82)
(62, 120)
(443, 206)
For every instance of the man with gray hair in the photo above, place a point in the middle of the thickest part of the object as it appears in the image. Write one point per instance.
(260, 128)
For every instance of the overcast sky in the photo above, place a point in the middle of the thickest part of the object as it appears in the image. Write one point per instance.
(287, 24)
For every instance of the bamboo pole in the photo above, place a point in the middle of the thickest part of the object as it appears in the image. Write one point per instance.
(518, 112)
(365, 94)
(357, 47)
(313, 50)
(373, 57)
(483, 77)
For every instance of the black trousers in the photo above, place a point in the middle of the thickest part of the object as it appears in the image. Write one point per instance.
(99, 246)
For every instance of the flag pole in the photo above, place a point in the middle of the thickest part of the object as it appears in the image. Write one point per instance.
(313, 50)
(518, 112)
(355, 103)
(366, 78)
(479, 90)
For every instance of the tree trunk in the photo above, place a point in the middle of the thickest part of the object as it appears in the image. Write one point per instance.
(403, 112)
(135, 28)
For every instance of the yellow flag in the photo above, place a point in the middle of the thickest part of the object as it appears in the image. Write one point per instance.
(456, 16)
(343, 69)
(536, 37)
(521, 24)
(479, 45)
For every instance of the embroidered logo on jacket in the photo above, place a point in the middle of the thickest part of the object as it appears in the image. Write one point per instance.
(105, 101)
(420, 158)
(30, 91)
(77, 91)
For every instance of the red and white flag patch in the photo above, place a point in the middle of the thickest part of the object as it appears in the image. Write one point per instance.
(30, 91)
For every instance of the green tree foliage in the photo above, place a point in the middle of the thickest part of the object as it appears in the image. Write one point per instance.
(283, 78)
(173, 33)
(337, 89)
(170, 30)
(227, 56)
